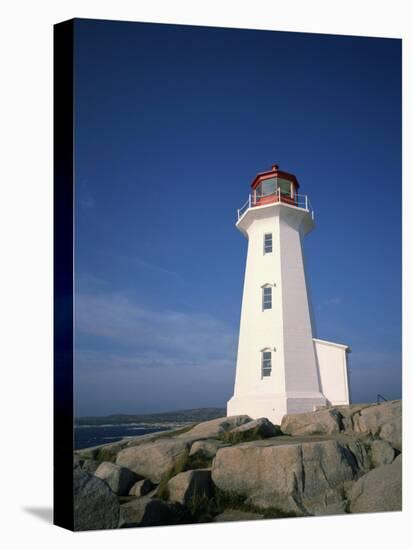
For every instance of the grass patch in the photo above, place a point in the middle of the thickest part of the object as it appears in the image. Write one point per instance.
(86, 454)
(233, 438)
(99, 454)
(205, 509)
(106, 455)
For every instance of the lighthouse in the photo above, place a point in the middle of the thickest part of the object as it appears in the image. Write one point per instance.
(281, 367)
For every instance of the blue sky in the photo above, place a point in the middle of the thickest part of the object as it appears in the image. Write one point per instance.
(172, 125)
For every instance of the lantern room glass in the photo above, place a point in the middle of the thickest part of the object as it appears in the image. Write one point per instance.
(266, 187)
(285, 186)
(270, 186)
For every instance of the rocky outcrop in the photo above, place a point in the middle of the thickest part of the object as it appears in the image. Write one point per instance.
(118, 478)
(153, 460)
(333, 460)
(87, 464)
(383, 420)
(317, 422)
(301, 478)
(190, 486)
(146, 511)
(141, 439)
(381, 453)
(90, 465)
(215, 428)
(206, 448)
(95, 505)
(132, 512)
(346, 414)
(260, 428)
(379, 490)
(392, 432)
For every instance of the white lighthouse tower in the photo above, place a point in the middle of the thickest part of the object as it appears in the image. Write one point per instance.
(281, 368)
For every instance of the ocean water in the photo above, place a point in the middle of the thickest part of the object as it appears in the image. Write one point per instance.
(89, 436)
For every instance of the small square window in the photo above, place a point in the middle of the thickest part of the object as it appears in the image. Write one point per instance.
(267, 297)
(267, 243)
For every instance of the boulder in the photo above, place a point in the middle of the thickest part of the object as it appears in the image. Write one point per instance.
(298, 478)
(190, 486)
(372, 419)
(326, 422)
(206, 448)
(380, 490)
(159, 512)
(146, 511)
(86, 464)
(146, 438)
(141, 488)
(360, 450)
(255, 429)
(132, 512)
(346, 413)
(119, 479)
(214, 428)
(90, 465)
(381, 452)
(392, 433)
(154, 459)
(237, 515)
(95, 505)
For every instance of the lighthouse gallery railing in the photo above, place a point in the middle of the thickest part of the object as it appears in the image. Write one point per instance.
(296, 200)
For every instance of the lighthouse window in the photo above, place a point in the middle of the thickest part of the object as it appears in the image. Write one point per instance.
(266, 187)
(267, 246)
(267, 298)
(266, 363)
(284, 186)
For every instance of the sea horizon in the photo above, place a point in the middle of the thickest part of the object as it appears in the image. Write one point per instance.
(90, 431)
(91, 435)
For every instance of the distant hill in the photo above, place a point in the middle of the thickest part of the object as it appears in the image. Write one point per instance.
(188, 415)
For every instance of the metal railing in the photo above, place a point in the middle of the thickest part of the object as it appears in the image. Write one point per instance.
(296, 200)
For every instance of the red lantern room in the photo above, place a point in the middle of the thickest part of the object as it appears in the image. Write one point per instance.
(274, 186)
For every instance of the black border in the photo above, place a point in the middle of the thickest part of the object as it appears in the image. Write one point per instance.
(63, 65)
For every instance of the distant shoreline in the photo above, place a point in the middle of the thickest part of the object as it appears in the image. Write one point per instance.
(170, 417)
(91, 436)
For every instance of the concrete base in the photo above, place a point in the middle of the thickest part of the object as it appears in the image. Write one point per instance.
(274, 407)
(304, 402)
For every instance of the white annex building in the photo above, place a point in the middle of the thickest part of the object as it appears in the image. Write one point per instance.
(281, 367)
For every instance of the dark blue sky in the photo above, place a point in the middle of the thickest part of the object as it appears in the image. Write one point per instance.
(172, 124)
